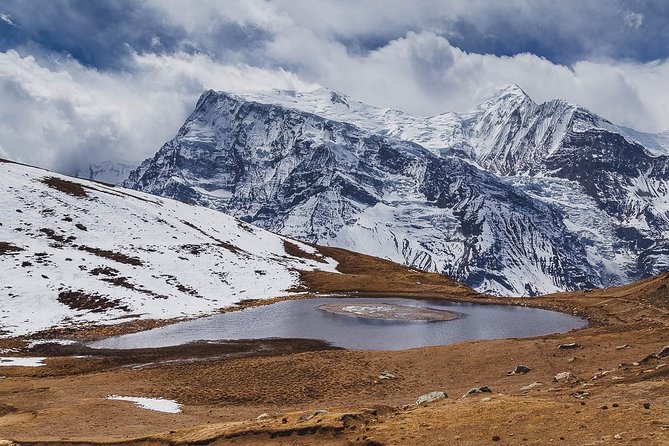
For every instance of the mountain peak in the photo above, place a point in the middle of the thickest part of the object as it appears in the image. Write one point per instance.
(513, 89)
(509, 96)
(511, 93)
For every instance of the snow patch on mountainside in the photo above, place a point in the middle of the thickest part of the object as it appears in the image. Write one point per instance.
(584, 218)
(155, 404)
(77, 252)
(656, 143)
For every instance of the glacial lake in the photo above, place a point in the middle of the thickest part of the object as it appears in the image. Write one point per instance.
(308, 319)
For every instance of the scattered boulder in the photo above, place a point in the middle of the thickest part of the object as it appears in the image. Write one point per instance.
(475, 390)
(581, 394)
(262, 416)
(569, 346)
(387, 375)
(563, 376)
(663, 353)
(519, 370)
(430, 397)
(601, 374)
(310, 415)
(531, 386)
(621, 347)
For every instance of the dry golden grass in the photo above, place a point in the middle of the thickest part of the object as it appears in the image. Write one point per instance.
(363, 274)
(627, 400)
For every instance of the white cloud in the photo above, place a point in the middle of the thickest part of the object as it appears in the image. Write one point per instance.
(633, 19)
(65, 115)
(421, 72)
(7, 19)
(60, 114)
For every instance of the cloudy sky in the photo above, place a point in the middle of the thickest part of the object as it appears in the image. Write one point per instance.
(85, 81)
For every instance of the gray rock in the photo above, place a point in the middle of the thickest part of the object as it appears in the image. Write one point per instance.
(310, 415)
(475, 390)
(430, 397)
(664, 352)
(569, 346)
(563, 376)
(581, 394)
(531, 386)
(649, 358)
(387, 375)
(520, 370)
(601, 374)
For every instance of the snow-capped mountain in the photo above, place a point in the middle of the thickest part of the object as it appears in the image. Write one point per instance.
(335, 183)
(111, 172)
(514, 197)
(74, 251)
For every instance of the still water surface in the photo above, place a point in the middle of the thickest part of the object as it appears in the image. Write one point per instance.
(303, 319)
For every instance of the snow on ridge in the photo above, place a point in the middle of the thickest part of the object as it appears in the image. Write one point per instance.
(449, 131)
(657, 144)
(114, 255)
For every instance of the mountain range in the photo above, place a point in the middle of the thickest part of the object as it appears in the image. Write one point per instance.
(512, 198)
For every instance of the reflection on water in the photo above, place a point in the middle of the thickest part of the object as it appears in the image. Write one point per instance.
(303, 319)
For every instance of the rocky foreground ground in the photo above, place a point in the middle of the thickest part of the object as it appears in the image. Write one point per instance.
(605, 384)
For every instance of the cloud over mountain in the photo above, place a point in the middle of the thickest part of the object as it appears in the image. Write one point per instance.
(84, 82)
